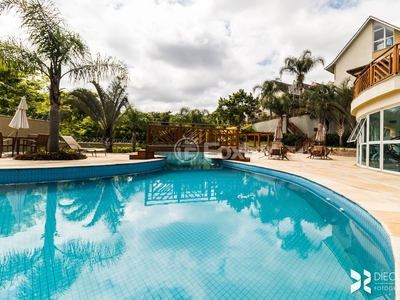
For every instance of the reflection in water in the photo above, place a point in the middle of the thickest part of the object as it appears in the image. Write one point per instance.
(238, 235)
(49, 270)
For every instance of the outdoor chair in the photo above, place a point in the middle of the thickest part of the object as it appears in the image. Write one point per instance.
(278, 149)
(75, 146)
(5, 143)
(35, 142)
(319, 151)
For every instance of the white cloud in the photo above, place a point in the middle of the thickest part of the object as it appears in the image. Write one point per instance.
(192, 52)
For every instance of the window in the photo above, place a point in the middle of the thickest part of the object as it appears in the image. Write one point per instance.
(356, 131)
(383, 37)
(374, 127)
(391, 123)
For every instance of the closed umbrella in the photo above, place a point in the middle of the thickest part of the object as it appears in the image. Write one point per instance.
(278, 136)
(19, 121)
(320, 136)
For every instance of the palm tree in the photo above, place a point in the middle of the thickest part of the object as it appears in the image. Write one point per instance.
(104, 108)
(318, 101)
(301, 66)
(50, 47)
(270, 90)
(136, 121)
(341, 113)
(193, 116)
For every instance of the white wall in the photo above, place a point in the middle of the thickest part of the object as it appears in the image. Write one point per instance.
(304, 123)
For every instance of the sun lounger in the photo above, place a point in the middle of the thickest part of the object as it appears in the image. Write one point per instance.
(74, 145)
(278, 149)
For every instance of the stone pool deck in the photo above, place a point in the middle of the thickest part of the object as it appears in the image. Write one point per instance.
(377, 192)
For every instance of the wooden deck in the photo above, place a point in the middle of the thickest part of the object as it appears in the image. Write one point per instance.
(172, 137)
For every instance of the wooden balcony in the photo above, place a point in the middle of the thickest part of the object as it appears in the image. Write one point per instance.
(381, 68)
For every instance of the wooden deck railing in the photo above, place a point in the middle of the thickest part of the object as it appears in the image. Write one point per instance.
(379, 69)
(168, 134)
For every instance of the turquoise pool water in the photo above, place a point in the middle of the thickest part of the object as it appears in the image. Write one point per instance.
(194, 234)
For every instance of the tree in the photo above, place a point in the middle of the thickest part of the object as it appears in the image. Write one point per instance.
(193, 116)
(318, 101)
(341, 113)
(270, 91)
(136, 120)
(232, 111)
(301, 66)
(327, 103)
(105, 108)
(50, 48)
(14, 85)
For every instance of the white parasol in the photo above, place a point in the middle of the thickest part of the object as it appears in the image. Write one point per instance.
(320, 136)
(19, 121)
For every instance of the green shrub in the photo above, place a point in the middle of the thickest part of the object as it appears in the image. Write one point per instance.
(332, 140)
(122, 149)
(60, 155)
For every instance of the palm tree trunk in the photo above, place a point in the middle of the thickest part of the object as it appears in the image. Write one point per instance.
(54, 128)
(134, 138)
(54, 115)
(107, 140)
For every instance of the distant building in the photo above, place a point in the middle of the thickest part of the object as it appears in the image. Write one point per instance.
(372, 59)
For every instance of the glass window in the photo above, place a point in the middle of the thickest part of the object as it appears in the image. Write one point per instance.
(383, 37)
(363, 155)
(374, 126)
(356, 131)
(374, 156)
(391, 123)
(391, 157)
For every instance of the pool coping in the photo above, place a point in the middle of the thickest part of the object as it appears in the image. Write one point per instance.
(376, 192)
(62, 173)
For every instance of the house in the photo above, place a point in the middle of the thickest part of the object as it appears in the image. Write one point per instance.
(372, 59)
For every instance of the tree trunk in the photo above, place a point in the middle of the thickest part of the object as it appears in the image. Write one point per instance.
(54, 96)
(134, 139)
(107, 140)
(54, 128)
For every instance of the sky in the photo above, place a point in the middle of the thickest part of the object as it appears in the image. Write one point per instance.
(191, 53)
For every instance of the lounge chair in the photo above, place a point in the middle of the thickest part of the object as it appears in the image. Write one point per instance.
(278, 149)
(74, 145)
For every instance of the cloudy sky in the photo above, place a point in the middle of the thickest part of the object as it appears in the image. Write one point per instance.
(192, 52)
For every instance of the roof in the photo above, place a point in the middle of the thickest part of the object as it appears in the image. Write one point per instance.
(330, 67)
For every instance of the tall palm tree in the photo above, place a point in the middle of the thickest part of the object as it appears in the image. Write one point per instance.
(105, 108)
(301, 66)
(50, 47)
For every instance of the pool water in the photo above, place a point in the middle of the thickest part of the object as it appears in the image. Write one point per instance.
(193, 234)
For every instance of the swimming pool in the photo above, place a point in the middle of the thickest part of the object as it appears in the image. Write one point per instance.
(194, 234)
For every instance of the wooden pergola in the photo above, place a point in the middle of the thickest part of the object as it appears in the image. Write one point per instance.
(256, 136)
(171, 137)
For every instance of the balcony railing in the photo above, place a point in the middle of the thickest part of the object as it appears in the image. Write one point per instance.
(379, 69)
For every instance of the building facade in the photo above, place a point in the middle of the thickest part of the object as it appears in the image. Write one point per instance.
(372, 60)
